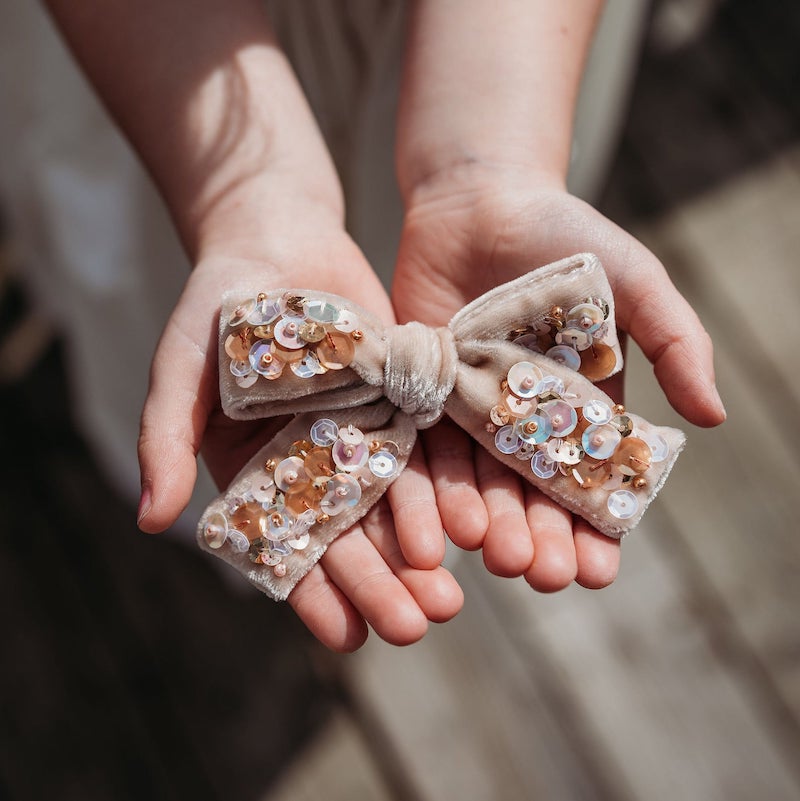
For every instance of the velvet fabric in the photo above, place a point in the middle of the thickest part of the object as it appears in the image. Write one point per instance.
(425, 373)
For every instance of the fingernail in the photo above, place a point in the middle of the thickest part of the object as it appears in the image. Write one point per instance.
(145, 504)
(720, 404)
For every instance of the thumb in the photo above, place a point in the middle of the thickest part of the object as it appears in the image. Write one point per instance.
(174, 418)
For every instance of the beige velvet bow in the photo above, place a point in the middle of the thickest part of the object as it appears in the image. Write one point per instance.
(403, 378)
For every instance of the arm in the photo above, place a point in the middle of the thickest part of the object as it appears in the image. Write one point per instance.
(212, 107)
(483, 147)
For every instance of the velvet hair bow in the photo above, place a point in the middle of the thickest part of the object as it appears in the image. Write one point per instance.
(515, 369)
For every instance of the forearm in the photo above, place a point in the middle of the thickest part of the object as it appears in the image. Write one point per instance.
(491, 83)
(210, 103)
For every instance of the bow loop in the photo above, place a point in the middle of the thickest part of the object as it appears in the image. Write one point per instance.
(420, 370)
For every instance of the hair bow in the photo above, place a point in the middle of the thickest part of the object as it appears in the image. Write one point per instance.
(515, 369)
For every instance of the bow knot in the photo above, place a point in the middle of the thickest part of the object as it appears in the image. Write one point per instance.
(420, 370)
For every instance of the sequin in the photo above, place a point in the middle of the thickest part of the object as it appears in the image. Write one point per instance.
(324, 432)
(343, 493)
(534, 429)
(597, 412)
(336, 351)
(517, 407)
(279, 526)
(586, 316)
(250, 519)
(321, 311)
(307, 367)
(351, 435)
(312, 331)
(550, 383)
(286, 355)
(542, 466)
(523, 378)
(240, 314)
(506, 440)
(304, 498)
(240, 369)
(265, 311)
(263, 489)
(261, 358)
(287, 334)
(623, 504)
(499, 415)
(622, 423)
(563, 418)
(246, 381)
(295, 306)
(349, 457)
(318, 462)
(597, 362)
(658, 446)
(238, 541)
(215, 532)
(600, 441)
(383, 464)
(299, 543)
(564, 451)
(289, 472)
(575, 396)
(238, 344)
(525, 452)
(574, 337)
(347, 321)
(563, 354)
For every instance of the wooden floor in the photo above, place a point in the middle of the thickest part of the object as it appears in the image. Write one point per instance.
(680, 681)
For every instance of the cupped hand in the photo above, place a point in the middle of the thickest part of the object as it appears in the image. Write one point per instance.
(385, 571)
(479, 226)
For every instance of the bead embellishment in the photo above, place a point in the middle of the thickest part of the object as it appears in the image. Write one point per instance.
(593, 444)
(299, 491)
(269, 337)
(573, 338)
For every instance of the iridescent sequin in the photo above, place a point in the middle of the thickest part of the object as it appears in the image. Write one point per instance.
(309, 335)
(317, 478)
(569, 436)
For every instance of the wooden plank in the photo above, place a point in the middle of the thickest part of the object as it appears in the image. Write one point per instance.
(468, 715)
(655, 692)
(336, 766)
(745, 541)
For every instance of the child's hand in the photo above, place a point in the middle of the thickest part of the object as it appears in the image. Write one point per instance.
(477, 228)
(382, 572)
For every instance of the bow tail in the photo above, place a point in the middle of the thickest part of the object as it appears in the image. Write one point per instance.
(569, 439)
(311, 482)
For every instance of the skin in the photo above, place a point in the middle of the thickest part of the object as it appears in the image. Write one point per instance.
(484, 129)
(205, 96)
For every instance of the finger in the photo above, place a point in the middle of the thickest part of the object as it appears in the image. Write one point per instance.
(327, 613)
(360, 572)
(554, 564)
(597, 556)
(507, 549)
(672, 337)
(451, 463)
(174, 417)
(416, 517)
(436, 591)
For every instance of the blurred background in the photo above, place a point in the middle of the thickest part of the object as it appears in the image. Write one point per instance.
(131, 667)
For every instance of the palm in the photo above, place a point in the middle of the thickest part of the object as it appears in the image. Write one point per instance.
(365, 576)
(455, 246)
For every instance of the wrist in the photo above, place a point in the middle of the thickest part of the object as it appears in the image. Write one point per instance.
(475, 180)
